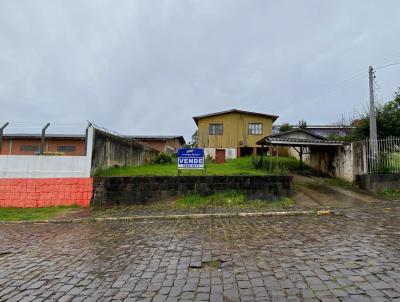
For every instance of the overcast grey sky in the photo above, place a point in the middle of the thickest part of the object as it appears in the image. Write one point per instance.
(147, 67)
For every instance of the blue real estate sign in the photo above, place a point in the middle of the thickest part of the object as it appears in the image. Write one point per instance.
(190, 159)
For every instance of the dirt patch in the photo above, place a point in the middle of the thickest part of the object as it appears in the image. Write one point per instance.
(207, 266)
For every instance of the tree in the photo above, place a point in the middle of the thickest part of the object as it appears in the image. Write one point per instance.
(285, 127)
(302, 124)
(387, 120)
(194, 140)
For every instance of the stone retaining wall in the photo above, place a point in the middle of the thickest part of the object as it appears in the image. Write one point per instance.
(378, 182)
(139, 190)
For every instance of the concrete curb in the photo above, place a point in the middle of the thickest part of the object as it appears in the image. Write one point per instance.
(178, 216)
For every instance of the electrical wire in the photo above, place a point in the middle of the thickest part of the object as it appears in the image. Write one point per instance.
(387, 65)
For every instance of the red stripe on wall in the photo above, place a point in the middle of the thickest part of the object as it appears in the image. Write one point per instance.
(45, 192)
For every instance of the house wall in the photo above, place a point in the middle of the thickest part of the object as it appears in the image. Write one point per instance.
(165, 145)
(156, 144)
(5, 149)
(174, 143)
(15, 145)
(230, 153)
(235, 132)
(52, 144)
(333, 161)
(11, 146)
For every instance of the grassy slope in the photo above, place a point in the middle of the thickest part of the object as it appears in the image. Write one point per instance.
(229, 199)
(26, 214)
(239, 166)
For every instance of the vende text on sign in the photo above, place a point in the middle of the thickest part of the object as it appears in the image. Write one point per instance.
(190, 159)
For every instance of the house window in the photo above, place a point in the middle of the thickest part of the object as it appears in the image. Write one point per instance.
(66, 148)
(216, 129)
(255, 128)
(29, 148)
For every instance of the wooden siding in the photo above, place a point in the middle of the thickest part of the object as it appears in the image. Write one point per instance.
(235, 133)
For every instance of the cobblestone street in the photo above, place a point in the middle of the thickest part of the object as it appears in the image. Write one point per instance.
(354, 257)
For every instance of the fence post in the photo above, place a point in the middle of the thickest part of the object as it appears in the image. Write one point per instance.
(43, 137)
(1, 135)
(87, 136)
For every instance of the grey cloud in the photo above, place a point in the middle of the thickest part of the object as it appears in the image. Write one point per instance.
(146, 67)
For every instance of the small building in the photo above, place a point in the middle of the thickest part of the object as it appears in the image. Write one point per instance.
(29, 144)
(165, 143)
(232, 133)
(325, 156)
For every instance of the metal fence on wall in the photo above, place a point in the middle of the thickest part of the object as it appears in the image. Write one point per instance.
(378, 156)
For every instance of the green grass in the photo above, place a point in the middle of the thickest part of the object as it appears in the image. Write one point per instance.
(239, 166)
(229, 199)
(27, 214)
(389, 162)
(390, 193)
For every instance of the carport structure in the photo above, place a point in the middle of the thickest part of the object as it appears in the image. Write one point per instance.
(302, 141)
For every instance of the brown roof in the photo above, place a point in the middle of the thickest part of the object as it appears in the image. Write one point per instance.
(280, 134)
(280, 139)
(196, 118)
(158, 137)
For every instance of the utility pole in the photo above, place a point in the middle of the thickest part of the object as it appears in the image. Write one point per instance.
(372, 113)
(372, 117)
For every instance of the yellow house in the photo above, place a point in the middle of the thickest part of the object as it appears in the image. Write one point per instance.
(232, 133)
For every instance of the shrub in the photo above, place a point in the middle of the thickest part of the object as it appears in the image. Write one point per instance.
(256, 162)
(163, 158)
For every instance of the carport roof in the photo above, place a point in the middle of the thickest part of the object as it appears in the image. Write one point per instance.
(288, 138)
(298, 142)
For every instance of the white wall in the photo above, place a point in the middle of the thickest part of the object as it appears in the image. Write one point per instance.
(42, 166)
(344, 164)
(317, 159)
(230, 153)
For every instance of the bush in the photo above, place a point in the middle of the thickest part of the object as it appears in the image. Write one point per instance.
(163, 158)
(256, 162)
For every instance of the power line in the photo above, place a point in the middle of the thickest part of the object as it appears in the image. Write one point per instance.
(390, 59)
(387, 65)
(347, 82)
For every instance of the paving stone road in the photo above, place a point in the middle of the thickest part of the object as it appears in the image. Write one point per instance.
(355, 257)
